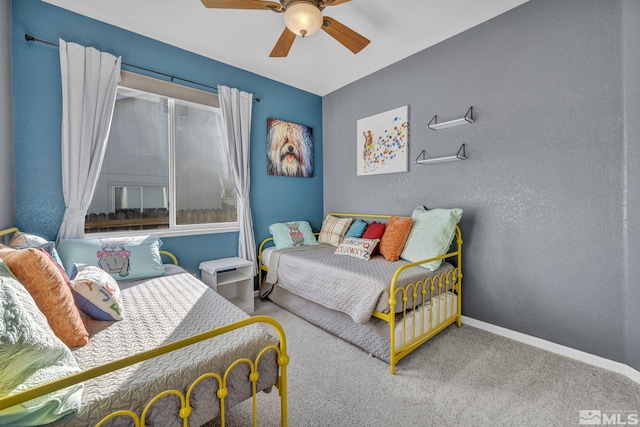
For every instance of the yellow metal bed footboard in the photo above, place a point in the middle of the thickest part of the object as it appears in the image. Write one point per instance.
(428, 306)
(139, 419)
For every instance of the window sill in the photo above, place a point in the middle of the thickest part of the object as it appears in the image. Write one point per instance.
(186, 231)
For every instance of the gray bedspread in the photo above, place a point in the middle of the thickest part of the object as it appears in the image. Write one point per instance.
(350, 285)
(159, 311)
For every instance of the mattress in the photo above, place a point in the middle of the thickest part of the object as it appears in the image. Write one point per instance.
(349, 285)
(372, 337)
(159, 311)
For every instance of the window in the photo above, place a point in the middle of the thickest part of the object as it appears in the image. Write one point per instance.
(165, 165)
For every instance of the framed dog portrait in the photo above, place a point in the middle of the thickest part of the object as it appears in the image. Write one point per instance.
(289, 149)
(383, 142)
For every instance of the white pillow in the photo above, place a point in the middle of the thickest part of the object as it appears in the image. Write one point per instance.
(96, 292)
(431, 235)
(357, 248)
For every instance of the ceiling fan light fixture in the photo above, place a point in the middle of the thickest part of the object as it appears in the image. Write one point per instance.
(303, 18)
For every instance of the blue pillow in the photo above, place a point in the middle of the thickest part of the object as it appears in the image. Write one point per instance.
(125, 258)
(293, 233)
(356, 229)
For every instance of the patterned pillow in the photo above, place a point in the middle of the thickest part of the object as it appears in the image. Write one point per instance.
(40, 275)
(96, 292)
(293, 233)
(333, 230)
(357, 248)
(394, 237)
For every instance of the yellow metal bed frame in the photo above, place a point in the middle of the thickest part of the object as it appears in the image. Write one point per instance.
(185, 410)
(421, 292)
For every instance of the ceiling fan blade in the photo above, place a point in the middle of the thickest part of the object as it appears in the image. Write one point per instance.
(334, 2)
(283, 45)
(242, 4)
(345, 35)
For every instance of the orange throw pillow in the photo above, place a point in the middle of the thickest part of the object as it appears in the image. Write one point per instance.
(37, 272)
(394, 237)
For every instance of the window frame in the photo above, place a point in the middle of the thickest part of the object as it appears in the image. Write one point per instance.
(183, 94)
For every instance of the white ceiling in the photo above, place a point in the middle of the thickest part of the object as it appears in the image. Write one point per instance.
(318, 63)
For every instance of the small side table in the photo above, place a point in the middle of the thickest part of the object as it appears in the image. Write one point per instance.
(232, 278)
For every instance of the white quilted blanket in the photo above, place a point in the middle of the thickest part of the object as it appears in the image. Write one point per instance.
(352, 286)
(160, 311)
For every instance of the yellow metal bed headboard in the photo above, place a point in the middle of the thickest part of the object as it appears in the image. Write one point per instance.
(8, 231)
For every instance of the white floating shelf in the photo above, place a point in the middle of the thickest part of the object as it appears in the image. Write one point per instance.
(466, 120)
(460, 155)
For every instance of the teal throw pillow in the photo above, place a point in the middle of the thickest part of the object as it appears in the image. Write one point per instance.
(356, 229)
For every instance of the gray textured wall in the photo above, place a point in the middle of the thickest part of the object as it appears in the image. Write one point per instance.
(631, 18)
(7, 192)
(542, 190)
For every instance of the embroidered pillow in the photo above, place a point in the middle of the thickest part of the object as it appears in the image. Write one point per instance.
(431, 235)
(96, 293)
(124, 258)
(293, 233)
(357, 248)
(333, 230)
(356, 229)
(40, 275)
(394, 237)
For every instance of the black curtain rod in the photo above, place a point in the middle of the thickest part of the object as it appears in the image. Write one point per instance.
(30, 38)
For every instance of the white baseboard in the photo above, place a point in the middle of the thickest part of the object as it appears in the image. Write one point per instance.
(572, 353)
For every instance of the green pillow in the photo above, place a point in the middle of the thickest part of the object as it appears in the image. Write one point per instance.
(31, 355)
(431, 235)
(292, 233)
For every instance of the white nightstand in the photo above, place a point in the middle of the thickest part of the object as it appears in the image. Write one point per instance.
(232, 278)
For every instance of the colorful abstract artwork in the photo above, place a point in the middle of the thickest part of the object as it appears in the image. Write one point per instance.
(289, 149)
(383, 142)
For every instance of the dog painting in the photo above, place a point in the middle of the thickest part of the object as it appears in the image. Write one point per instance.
(289, 149)
(382, 142)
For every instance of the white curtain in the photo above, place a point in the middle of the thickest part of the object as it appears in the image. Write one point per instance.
(236, 115)
(89, 83)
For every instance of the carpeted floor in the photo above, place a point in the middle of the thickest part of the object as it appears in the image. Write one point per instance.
(463, 377)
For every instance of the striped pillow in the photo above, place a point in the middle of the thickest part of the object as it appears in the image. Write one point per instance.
(333, 230)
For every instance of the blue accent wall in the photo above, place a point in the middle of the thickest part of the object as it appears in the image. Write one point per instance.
(37, 106)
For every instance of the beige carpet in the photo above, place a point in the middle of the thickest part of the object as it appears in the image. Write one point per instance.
(463, 377)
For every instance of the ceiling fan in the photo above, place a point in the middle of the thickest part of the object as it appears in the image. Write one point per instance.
(302, 18)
